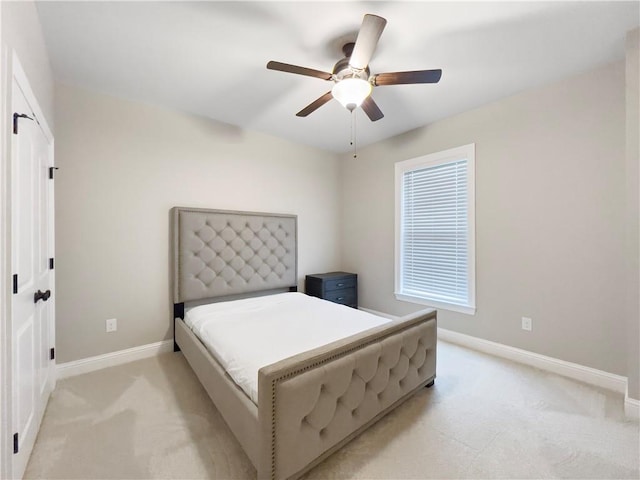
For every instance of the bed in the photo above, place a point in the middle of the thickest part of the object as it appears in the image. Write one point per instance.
(313, 402)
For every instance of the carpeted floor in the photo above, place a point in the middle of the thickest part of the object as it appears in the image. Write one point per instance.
(484, 418)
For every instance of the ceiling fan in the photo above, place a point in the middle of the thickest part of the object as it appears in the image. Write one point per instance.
(353, 81)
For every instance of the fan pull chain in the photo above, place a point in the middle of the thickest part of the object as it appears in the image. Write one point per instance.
(353, 142)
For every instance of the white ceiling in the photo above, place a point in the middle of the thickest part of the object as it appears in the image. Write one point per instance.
(209, 58)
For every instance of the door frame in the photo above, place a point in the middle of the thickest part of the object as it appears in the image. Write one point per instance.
(10, 70)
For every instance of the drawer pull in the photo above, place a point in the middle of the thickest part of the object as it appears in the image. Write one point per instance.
(340, 285)
(340, 298)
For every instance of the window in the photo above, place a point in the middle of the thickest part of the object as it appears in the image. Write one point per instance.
(435, 230)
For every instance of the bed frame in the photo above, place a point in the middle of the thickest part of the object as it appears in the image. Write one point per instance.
(311, 404)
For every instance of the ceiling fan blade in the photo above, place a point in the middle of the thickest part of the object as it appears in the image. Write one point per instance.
(368, 36)
(313, 106)
(398, 78)
(309, 72)
(371, 109)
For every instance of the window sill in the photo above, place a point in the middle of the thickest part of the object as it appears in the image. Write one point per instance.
(468, 310)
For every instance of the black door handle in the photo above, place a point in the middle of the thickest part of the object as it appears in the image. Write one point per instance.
(44, 296)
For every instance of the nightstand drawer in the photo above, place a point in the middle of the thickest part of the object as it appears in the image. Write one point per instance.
(344, 296)
(339, 283)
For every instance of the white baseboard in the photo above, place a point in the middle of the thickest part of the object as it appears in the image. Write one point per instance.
(575, 371)
(631, 406)
(91, 364)
(592, 376)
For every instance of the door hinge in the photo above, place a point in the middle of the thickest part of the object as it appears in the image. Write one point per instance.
(52, 354)
(15, 283)
(16, 116)
(15, 443)
(51, 169)
(51, 264)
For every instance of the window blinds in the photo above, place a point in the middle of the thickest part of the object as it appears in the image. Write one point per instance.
(434, 233)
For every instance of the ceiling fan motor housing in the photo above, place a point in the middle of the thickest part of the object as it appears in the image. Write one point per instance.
(342, 70)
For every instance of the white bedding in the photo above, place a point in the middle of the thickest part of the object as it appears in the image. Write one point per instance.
(246, 335)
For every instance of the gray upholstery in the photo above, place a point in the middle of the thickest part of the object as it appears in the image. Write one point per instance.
(311, 404)
(220, 253)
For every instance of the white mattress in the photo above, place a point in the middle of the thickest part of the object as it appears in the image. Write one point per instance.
(246, 335)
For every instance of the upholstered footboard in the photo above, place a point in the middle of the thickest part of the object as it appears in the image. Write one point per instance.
(313, 403)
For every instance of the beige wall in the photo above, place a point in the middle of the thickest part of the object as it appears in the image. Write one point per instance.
(632, 92)
(550, 214)
(123, 165)
(550, 204)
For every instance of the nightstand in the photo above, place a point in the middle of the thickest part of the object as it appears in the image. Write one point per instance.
(337, 287)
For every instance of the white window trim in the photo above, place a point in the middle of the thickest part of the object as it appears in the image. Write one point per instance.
(465, 152)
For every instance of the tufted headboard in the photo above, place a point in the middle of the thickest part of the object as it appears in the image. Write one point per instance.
(219, 253)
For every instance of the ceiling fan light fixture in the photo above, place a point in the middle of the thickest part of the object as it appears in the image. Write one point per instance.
(352, 78)
(351, 92)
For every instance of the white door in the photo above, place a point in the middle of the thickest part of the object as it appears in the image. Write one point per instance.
(32, 300)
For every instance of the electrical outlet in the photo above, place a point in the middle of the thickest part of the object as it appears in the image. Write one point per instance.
(527, 323)
(112, 325)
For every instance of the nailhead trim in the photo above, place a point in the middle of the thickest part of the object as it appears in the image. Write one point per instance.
(286, 376)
